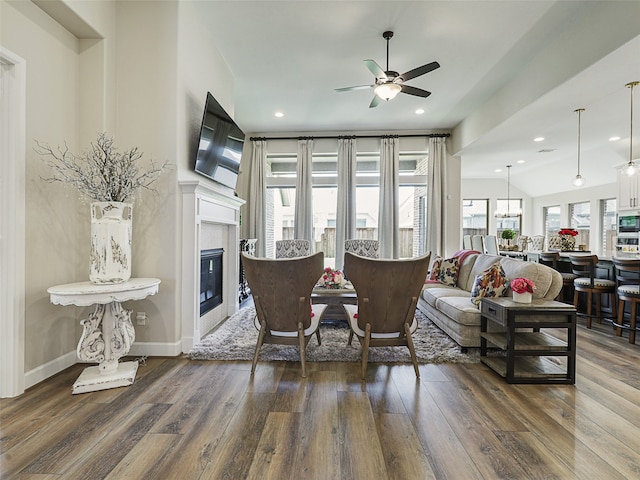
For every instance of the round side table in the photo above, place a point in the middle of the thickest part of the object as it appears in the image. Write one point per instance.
(108, 332)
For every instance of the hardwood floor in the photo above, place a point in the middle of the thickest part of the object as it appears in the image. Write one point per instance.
(185, 419)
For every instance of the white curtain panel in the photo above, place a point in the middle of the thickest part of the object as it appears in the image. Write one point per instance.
(303, 222)
(436, 190)
(388, 216)
(257, 190)
(346, 213)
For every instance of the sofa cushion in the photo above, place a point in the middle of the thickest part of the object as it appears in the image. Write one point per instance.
(459, 308)
(540, 275)
(432, 291)
(492, 282)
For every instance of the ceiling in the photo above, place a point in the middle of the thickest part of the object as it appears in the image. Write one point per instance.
(510, 71)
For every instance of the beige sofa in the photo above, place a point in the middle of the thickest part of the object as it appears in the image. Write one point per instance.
(451, 308)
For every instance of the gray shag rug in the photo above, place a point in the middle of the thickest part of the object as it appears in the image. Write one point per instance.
(236, 339)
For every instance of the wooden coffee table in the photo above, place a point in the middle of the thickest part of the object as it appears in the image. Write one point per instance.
(334, 298)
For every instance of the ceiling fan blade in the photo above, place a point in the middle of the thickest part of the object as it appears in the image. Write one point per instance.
(348, 89)
(416, 72)
(375, 69)
(374, 103)
(418, 92)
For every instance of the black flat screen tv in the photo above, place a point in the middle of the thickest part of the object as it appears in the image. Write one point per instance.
(219, 146)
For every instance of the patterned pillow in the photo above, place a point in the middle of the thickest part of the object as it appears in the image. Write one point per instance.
(448, 273)
(436, 266)
(492, 282)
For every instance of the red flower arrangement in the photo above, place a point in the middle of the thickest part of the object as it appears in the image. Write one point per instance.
(568, 231)
(331, 278)
(522, 285)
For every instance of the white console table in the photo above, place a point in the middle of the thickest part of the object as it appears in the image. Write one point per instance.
(108, 332)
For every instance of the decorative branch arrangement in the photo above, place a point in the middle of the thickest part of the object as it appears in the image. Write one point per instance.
(102, 173)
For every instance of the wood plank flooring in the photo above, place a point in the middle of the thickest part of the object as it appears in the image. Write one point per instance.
(185, 419)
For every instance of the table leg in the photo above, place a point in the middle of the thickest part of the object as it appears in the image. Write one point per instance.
(107, 336)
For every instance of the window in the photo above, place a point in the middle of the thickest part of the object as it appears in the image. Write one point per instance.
(512, 222)
(281, 181)
(475, 216)
(580, 214)
(551, 220)
(608, 209)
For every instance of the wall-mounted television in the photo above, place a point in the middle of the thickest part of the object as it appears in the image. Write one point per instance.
(219, 146)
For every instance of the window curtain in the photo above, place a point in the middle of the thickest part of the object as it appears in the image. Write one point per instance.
(257, 191)
(303, 222)
(436, 190)
(346, 213)
(388, 216)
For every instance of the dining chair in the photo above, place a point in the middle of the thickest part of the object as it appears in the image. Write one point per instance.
(292, 248)
(537, 243)
(466, 242)
(387, 293)
(477, 243)
(281, 291)
(490, 243)
(584, 267)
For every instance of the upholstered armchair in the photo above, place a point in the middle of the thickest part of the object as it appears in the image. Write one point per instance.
(292, 248)
(284, 314)
(385, 314)
(537, 243)
(364, 248)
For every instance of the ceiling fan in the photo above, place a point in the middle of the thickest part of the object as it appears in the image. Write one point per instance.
(389, 83)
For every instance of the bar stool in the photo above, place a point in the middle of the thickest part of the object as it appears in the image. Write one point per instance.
(550, 259)
(584, 267)
(628, 290)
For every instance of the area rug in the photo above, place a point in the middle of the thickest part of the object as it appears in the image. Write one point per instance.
(236, 339)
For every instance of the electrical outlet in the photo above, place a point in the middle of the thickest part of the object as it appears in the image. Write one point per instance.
(141, 318)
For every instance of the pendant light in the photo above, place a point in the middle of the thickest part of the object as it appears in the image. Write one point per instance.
(508, 213)
(579, 180)
(631, 167)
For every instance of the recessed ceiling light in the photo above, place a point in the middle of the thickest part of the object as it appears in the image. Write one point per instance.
(419, 111)
(498, 170)
(614, 139)
(538, 139)
(279, 114)
(520, 161)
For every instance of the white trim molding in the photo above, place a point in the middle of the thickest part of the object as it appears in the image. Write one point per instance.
(201, 204)
(12, 222)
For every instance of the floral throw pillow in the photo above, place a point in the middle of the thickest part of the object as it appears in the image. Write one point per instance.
(492, 282)
(436, 266)
(448, 273)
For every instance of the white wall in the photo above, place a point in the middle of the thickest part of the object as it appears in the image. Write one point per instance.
(139, 71)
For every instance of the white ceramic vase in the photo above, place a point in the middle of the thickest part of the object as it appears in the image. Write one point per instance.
(110, 258)
(522, 297)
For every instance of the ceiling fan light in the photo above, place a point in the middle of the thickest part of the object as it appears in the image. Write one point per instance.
(388, 91)
(579, 181)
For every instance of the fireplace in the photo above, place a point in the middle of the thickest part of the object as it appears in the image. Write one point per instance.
(211, 279)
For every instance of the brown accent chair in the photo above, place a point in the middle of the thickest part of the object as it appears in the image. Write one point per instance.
(387, 292)
(281, 292)
(628, 290)
(584, 267)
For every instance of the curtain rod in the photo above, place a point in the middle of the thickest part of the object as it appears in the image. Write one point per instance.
(330, 137)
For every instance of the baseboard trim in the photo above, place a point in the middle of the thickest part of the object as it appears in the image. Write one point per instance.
(49, 369)
(46, 370)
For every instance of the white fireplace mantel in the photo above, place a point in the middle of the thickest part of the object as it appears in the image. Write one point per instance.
(202, 203)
